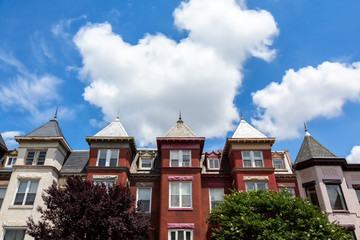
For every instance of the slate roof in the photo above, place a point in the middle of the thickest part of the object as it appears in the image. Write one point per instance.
(2, 143)
(245, 130)
(310, 148)
(180, 130)
(49, 129)
(114, 129)
(76, 162)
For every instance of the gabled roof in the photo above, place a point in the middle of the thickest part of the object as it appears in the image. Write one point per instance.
(49, 129)
(310, 148)
(180, 130)
(2, 143)
(114, 129)
(245, 130)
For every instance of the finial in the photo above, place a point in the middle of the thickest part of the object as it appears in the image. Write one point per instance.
(55, 116)
(180, 120)
(241, 115)
(118, 113)
(306, 130)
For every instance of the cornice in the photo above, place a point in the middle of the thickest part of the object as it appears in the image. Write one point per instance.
(252, 169)
(36, 167)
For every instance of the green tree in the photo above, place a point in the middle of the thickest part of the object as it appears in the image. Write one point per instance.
(270, 215)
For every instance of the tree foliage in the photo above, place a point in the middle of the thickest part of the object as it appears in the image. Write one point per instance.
(270, 215)
(82, 210)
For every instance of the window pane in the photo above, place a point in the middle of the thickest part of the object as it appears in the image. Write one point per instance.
(358, 194)
(2, 195)
(144, 193)
(113, 158)
(311, 194)
(22, 186)
(19, 198)
(185, 188)
(146, 163)
(174, 201)
(173, 235)
(33, 186)
(188, 235)
(258, 163)
(174, 163)
(186, 158)
(257, 155)
(186, 163)
(30, 158)
(186, 201)
(246, 155)
(102, 158)
(278, 164)
(14, 234)
(261, 186)
(250, 186)
(180, 235)
(335, 196)
(216, 163)
(30, 199)
(247, 163)
(41, 158)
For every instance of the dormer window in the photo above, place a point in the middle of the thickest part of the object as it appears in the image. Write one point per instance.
(252, 159)
(146, 163)
(107, 158)
(180, 158)
(213, 163)
(10, 161)
(278, 164)
(37, 157)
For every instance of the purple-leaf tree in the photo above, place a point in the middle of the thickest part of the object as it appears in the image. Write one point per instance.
(82, 210)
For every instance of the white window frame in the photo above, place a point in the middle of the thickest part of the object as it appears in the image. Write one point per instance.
(275, 165)
(106, 182)
(180, 193)
(137, 198)
(146, 159)
(13, 161)
(213, 160)
(177, 233)
(252, 158)
(26, 193)
(35, 160)
(256, 185)
(211, 194)
(180, 154)
(13, 229)
(108, 157)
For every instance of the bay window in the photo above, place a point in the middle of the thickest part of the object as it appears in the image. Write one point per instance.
(180, 194)
(107, 158)
(180, 158)
(252, 159)
(336, 198)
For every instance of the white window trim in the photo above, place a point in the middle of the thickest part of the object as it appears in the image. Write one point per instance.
(283, 164)
(210, 194)
(252, 158)
(176, 230)
(137, 197)
(7, 161)
(26, 192)
(108, 157)
(180, 154)
(180, 194)
(256, 187)
(36, 156)
(146, 168)
(214, 168)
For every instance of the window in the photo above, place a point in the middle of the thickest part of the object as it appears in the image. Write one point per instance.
(26, 193)
(278, 164)
(213, 163)
(2, 194)
(10, 162)
(336, 197)
(358, 194)
(107, 158)
(311, 194)
(252, 159)
(144, 199)
(289, 190)
(216, 196)
(146, 164)
(35, 156)
(252, 186)
(180, 194)
(180, 234)
(180, 158)
(14, 234)
(351, 233)
(107, 183)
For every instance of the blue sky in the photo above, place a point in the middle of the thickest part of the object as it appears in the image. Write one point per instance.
(281, 63)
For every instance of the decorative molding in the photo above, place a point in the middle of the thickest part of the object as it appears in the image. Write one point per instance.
(180, 209)
(105, 177)
(180, 178)
(286, 185)
(144, 184)
(332, 181)
(180, 225)
(252, 169)
(256, 178)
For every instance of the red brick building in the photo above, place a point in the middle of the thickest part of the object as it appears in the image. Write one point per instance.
(177, 182)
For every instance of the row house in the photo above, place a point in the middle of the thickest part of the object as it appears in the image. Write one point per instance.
(177, 183)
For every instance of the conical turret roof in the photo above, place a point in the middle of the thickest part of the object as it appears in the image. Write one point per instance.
(180, 129)
(114, 129)
(49, 129)
(245, 130)
(310, 148)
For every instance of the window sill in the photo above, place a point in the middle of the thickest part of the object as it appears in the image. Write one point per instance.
(340, 211)
(180, 209)
(22, 207)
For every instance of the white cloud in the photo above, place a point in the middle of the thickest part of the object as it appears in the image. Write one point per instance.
(8, 137)
(304, 95)
(354, 156)
(63, 27)
(151, 81)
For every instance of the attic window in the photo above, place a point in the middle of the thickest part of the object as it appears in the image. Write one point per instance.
(37, 157)
(146, 163)
(213, 163)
